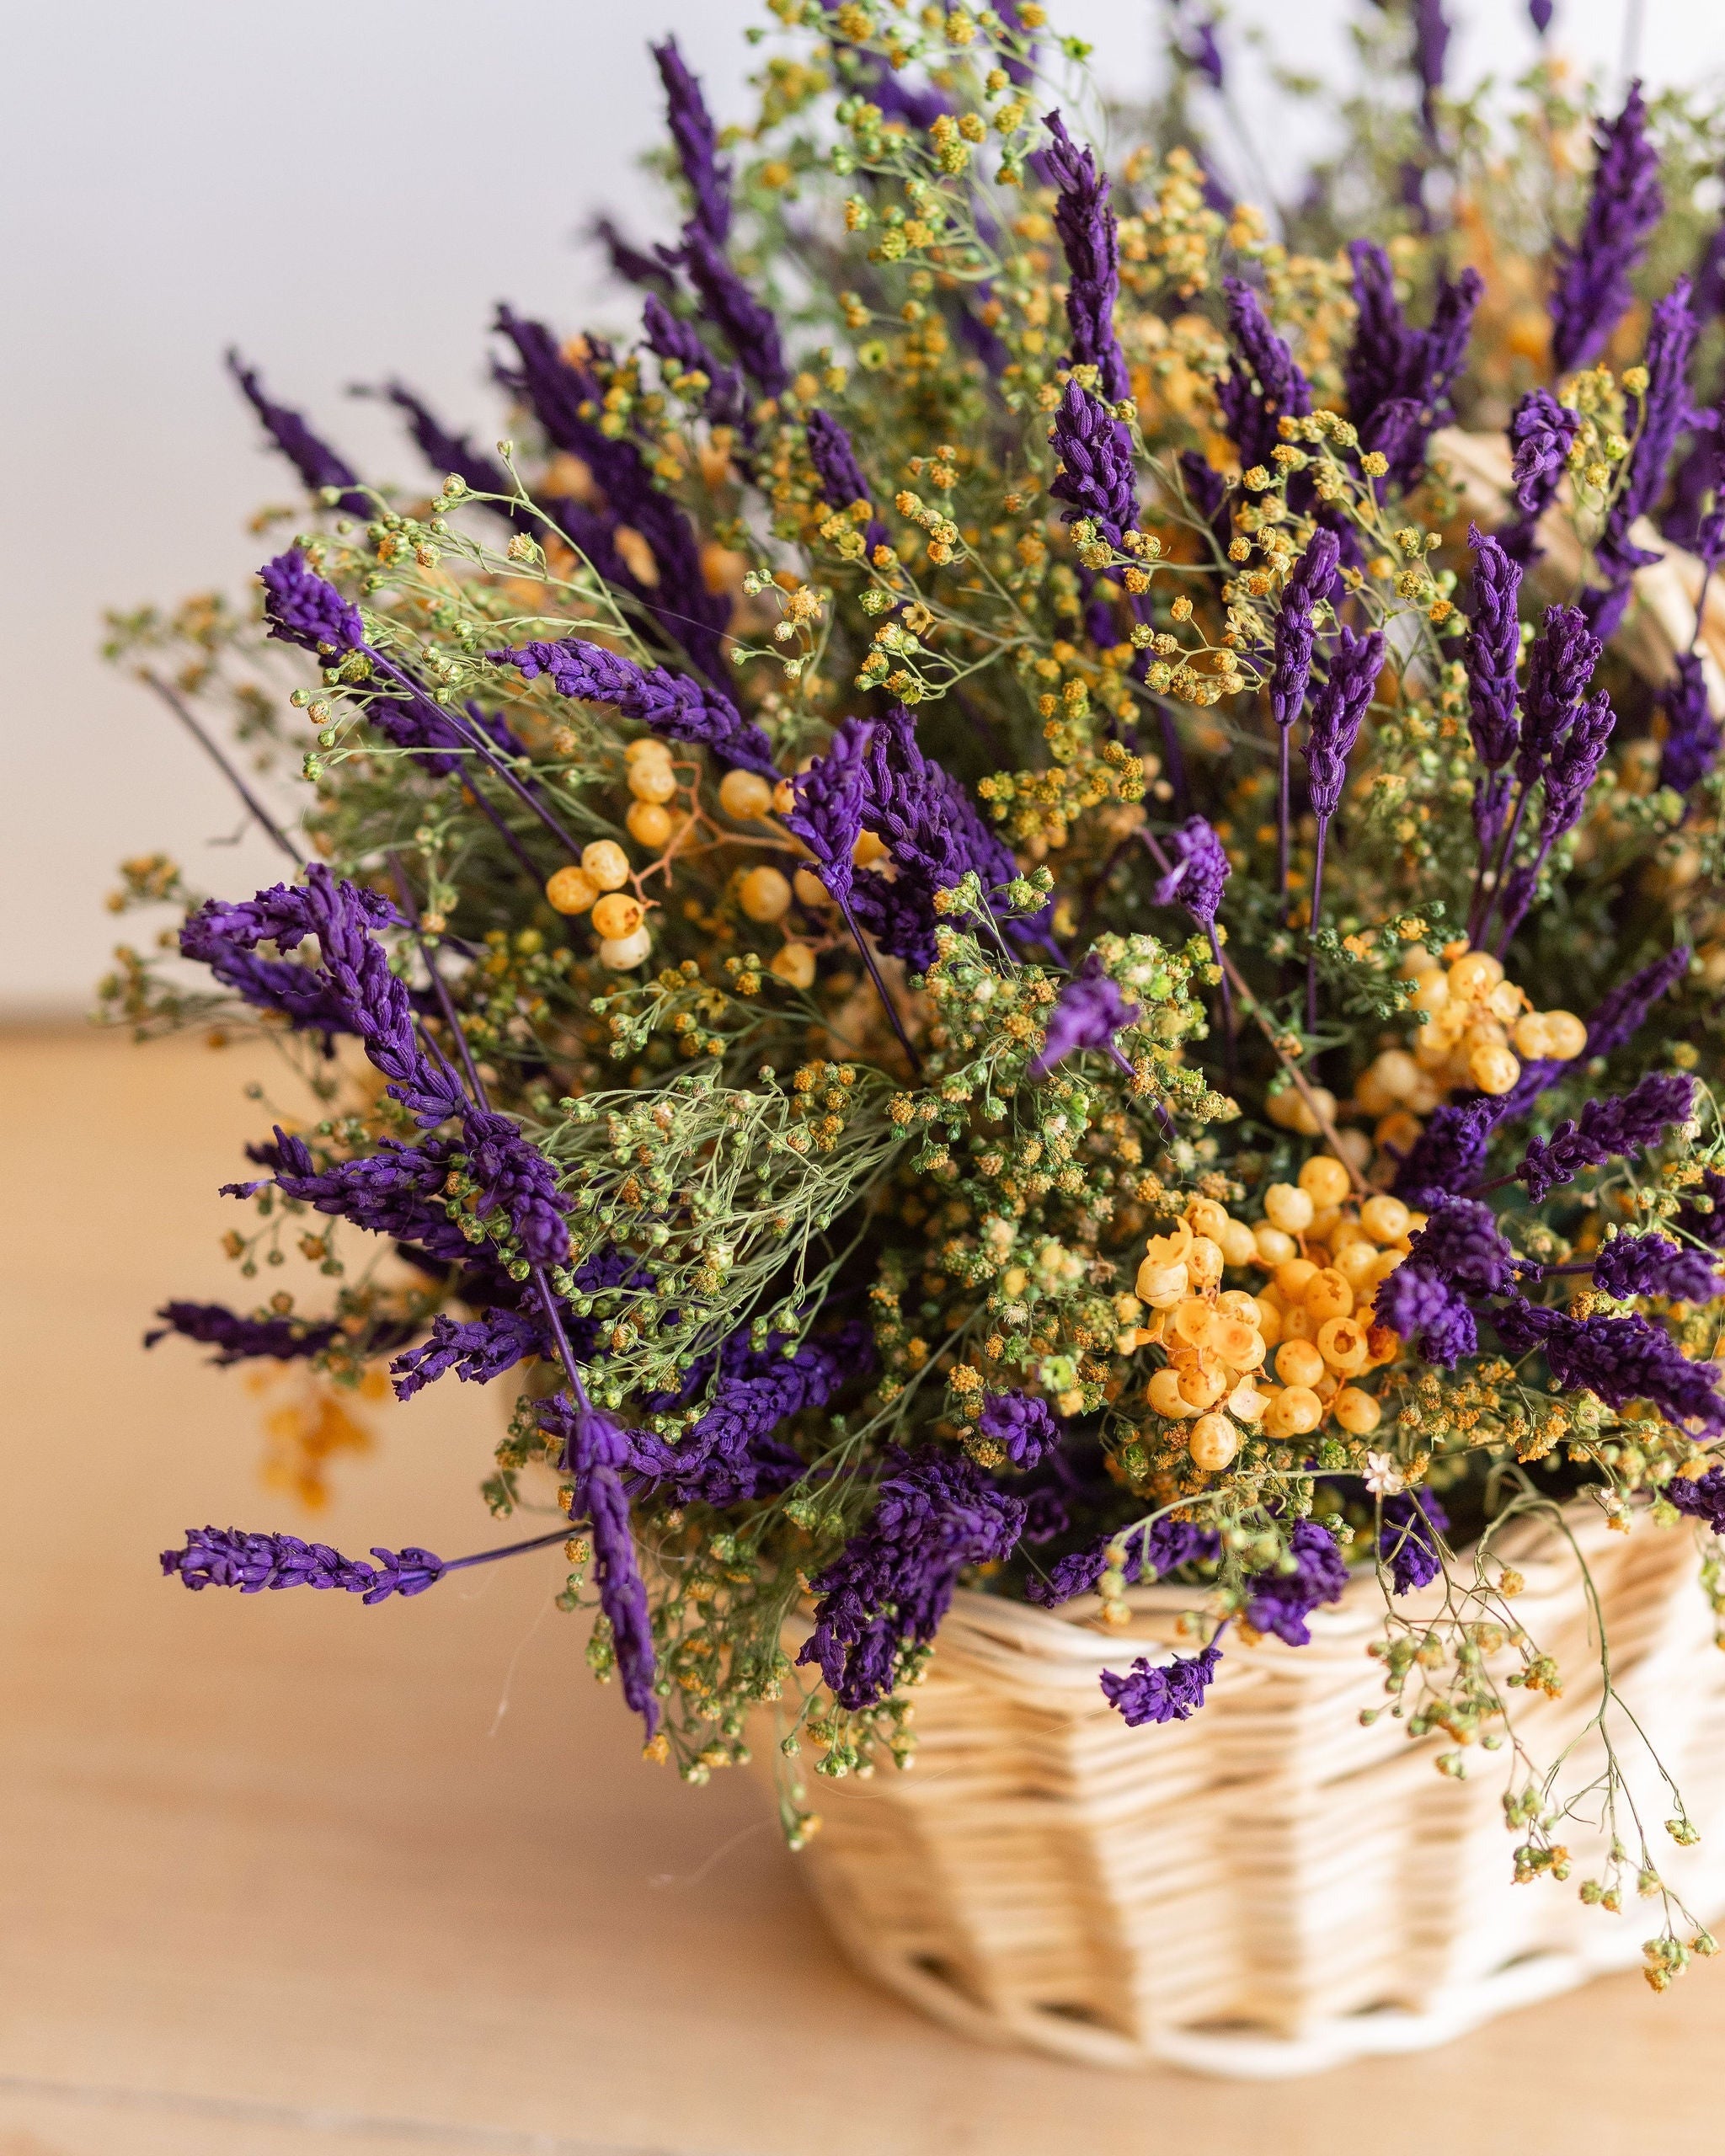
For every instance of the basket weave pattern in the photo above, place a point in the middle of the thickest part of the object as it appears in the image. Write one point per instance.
(1269, 1888)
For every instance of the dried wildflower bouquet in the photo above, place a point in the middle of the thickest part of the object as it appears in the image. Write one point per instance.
(1024, 907)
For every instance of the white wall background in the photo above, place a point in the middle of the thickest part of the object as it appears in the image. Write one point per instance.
(343, 188)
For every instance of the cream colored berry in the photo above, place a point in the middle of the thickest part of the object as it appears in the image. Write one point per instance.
(810, 889)
(1289, 1208)
(869, 846)
(764, 895)
(649, 825)
(1202, 1382)
(1357, 1411)
(624, 953)
(1166, 1397)
(1299, 1361)
(1274, 1245)
(1477, 975)
(1212, 1442)
(1343, 1345)
(1205, 1217)
(618, 916)
(794, 962)
(606, 863)
(1239, 1246)
(1161, 1286)
(652, 781)
(1493, 1068)
(745, 795)
(1384, 1218)
(1329, 1294)
(1293, 1275)
(1293, 1412)
(646, 749)
(1566, 1034)
(571, 890)
(1324, 1180)
(1203, 1262)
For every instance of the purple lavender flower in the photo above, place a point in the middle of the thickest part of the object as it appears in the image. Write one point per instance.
(1280, 1602)
(831, 804)
(1398, 378)
(1620, 1013)
(1692, 734)
(213, 1556)
(1088, 1012)
(566, 401)
(726, 302)
(595, 1450)
(1461, 1243)
(396, 1191)
(1086, 225)
(1541, 432)
(1663, 414)
(1619, 1358)
(1152, 1553)
(1540, 14)
(629, 264)
(1449, 1154)
(1027, 1426)
(516, 1180)
(1097, 477)
(1574, 766)
(1427, 1312)
(1200, 873)
(841, 476)
(318, 465)
(477, 1349)
(1407, 1539)
(1205, 488)
(892, 1583)
(1431, 43)
(1593, 291)
(678, 347)
(1607, 1129)
(348, 991)
(243, 1339)
(1338, 711)
(1702, 1497)
(302, 607)
(673, 705)
(696, 139)
(1309, 583)
(1262, 385)
(1653, 1265)
(933, 834)
(1560, 665)
(729, 1456)
(1161, 1692)
(1202, 52)
(1490, 652)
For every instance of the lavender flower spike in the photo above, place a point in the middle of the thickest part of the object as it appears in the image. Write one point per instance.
(1606, 1130)
(1086, 225)
(696, 138)
(213, 1557)
(1262, 385)
(1200, 874)
(1338, 713)
(1653, 1265)
(674, 705)
(749, 327)
(1088, 1012)
(1280, 1602)
(1593, 291)
(1161, 1692)
(1662, 415)
(1310, 584)
(1619, 1358)
(1407, 1539)
(1026, 1427)
(318, 465)
(841, 476)
(1098, 477)
(1541, 432)
(595, 1450)
(1692, 733)
(302, 607)
(1490, 651)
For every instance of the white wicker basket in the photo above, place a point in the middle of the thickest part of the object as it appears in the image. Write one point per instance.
(1269, 1888)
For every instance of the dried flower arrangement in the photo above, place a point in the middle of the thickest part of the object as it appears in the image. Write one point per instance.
(820, 962)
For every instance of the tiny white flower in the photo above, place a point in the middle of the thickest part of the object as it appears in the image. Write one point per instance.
(1383, 1478)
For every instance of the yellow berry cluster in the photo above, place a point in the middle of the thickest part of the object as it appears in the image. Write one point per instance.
(1477, 1030)
(1310, 1321)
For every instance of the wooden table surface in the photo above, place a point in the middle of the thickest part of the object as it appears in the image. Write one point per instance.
(289, 1876)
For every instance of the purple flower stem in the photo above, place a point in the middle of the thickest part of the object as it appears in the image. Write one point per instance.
(1283, 822)
(439, 986)
(509, 1549)
(1486, 895)
(189, 719)
(1317, 892)
(1161, 861)
(486, 753)
(886, 1001)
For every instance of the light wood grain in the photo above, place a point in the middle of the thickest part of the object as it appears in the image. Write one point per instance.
(276, 1878)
